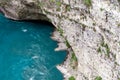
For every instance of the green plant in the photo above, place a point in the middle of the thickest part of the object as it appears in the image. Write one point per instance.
(67, 43)
(98, 78)
(99, 50)
(67, 7)
(74, 61)
(58, 3)
(101, 9)
(94, 23)
(60, 30)
(72, 78)
(74, 58)
(61, 34)
(88, 2)
(116, 63)
(58, 9)
(107, 50)
(41, 4)
(47, 12)
(52, 0)
(119, 25)
(105, 45)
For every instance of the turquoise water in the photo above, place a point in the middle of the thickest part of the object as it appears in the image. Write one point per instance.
(27, 51)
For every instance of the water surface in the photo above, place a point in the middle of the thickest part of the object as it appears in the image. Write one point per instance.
(27, 51)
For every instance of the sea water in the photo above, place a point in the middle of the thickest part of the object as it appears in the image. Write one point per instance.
(27, 51)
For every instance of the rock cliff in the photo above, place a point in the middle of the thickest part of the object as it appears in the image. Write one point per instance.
(89, 28)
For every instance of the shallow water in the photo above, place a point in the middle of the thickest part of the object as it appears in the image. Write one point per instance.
(27, 51)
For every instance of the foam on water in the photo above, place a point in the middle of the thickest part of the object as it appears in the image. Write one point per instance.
(27, 51)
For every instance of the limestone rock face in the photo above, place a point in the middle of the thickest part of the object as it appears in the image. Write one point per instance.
(22, 9)
(93, 31)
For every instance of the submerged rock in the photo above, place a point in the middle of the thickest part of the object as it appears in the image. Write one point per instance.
(92, 30)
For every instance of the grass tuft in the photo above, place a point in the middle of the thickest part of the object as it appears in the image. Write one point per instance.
(98, 78)
(88, 2)
(71, 78)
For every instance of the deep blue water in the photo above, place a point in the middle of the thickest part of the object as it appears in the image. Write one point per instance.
(27, 51)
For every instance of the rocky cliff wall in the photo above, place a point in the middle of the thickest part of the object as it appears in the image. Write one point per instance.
(90, 28)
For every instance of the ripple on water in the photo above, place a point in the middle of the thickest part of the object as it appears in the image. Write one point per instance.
(27, 51)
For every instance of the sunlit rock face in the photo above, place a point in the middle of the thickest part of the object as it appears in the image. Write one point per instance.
(93, 31)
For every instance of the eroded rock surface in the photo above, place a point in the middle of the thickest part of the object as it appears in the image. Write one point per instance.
(92, 30)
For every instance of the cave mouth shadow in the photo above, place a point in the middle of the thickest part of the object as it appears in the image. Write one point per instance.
(39, 22)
